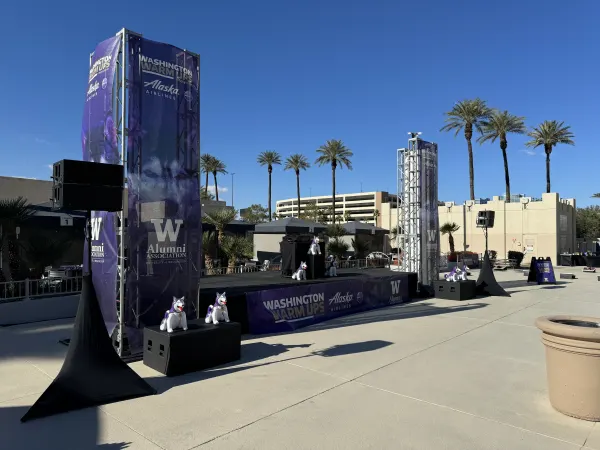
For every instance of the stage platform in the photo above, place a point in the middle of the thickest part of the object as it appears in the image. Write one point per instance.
(237, 286)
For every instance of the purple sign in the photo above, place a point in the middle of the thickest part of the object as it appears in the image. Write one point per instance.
(430, 246)
(164, 217)
(287, 309)
(99, 144)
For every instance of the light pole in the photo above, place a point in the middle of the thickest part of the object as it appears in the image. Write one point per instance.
(232, 174)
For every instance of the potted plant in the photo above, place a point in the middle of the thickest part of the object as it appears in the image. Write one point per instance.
(573, 364)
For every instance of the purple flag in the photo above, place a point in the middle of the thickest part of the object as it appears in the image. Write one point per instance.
(99, 144)
(164, 221)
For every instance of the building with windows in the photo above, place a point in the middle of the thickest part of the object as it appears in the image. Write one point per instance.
(362, 206)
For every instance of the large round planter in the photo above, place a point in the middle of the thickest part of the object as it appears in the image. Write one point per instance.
(573, 364)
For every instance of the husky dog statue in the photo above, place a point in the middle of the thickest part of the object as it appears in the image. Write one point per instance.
(315, 248)
(218, 311)
(332, 266)
(300, 274)
(456, 275)
(175, 317)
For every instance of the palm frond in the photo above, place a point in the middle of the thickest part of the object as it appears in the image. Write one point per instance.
(549, 134)
(219, 218)
(499, 124)
(296, 162)
(334, 153)
(466, 113)
(269, 158)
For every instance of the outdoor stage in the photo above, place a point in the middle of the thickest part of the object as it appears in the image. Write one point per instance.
(352, 291)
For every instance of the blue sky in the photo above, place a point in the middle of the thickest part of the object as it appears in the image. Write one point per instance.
(288, 75)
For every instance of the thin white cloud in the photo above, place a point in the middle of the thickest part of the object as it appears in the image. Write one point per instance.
(529, 152)
(50, 166)
(42, 141)
(211, 188)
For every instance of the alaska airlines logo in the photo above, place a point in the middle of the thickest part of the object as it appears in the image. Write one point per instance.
(93, 88)
(166, 248)
(157, 87)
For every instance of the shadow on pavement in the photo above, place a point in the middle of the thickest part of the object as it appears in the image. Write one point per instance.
(255, 351)
(78, 430)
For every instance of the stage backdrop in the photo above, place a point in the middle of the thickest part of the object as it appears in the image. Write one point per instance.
(164, 221)
(287, 309)
(430, 246)
(99, 144)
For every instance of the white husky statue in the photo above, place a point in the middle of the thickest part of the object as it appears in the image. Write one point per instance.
(315, 248)
(218, 311)
(300, 274)
(175, 317)
(332, 266)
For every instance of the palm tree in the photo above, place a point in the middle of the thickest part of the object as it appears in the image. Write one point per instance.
(449, 228)
(296, 163)
(236, 247)
(334, 152)
(550, 133)
(361, 248)
(13, 213)
(206, 165)
(209, 244)
(376, 214)
(269, 158)
(497, 126)
(220, 218)
(466, 115)
(217, 167)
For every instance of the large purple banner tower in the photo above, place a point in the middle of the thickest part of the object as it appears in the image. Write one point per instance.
(99, 144)
(164, 217)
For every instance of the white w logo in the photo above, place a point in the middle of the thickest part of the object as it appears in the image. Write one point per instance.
(396, 287)
(431, 234)
(96, 225)
(168, 229)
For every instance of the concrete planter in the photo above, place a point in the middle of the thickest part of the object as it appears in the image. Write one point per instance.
(573, 364)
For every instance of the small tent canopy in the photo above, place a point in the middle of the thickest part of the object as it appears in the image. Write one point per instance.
(289, 225)
(355, 228)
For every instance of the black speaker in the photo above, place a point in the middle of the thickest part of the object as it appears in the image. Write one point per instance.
(69, 171)
(82, 197)
(485, 219)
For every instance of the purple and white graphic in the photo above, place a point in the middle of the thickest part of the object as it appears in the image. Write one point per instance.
(430, 246)
(164, 221)
(99, 144)
(287, 309)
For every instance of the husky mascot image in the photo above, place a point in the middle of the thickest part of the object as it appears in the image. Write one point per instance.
(218, 311)
(175, 317)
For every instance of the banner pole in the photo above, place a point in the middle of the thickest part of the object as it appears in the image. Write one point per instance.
(124, 201)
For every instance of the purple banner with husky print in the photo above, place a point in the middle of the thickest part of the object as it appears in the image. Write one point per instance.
(99, 144)
(287, 309)
(430, 245)
(164, 221)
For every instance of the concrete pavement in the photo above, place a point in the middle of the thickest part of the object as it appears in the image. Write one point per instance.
(434, 375)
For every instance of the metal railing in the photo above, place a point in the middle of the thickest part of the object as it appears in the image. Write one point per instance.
(46, 287)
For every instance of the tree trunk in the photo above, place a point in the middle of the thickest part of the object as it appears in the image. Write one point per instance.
(451, 242)
(231, 265)
(298, 189)
(208, 262)
(468, 137)
(216, 187)
(4, 254)
(206, 185)
(270, 172)
(503, 145)
(548, 151)
(333, 186)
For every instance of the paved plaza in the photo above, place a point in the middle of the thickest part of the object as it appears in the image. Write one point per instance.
(436, 374)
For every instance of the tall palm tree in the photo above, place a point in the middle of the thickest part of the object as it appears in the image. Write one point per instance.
(217, 166)
(549, 134)
(13, 213)
(449, 228)
(206, 165)
(466, 115)
(269, 158)
(297, 162)
(334, 152)
(497, 126)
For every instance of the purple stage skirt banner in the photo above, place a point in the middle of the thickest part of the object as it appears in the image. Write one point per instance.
(290, 308)
(164, 217)
(99, 144)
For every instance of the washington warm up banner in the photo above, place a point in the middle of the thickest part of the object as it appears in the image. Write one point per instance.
(99, 144)
(164, 217)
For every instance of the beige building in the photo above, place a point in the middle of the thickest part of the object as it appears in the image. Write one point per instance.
(36, 192)
(362, 206)
(537, 227)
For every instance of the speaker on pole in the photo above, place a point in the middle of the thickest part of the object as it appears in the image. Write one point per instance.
(485, 219)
